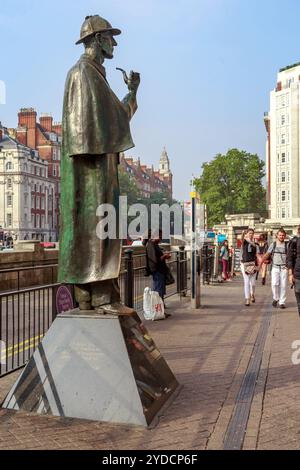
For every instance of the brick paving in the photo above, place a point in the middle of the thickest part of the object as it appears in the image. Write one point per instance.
(209, 351)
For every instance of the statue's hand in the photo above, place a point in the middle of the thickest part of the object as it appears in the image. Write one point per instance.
(133, 82)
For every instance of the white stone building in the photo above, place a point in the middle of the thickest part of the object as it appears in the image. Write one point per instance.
(26, 193)
(283, 149)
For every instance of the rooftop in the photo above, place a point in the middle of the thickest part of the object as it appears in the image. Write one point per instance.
(289, 67)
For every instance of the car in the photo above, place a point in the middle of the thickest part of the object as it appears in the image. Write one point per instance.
(48, 244)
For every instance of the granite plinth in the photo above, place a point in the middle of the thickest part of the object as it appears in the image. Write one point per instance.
(96, 367)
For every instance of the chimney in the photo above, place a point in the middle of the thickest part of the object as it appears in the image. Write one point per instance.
(46, 121)
(279, 86)
(27, 119)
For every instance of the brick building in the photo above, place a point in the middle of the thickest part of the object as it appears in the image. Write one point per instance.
(45, 137)
(146, 178)
(26, 192)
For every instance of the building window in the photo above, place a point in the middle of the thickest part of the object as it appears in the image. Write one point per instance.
(288, 176)
(9, 200)
(9, 166)
(42, 220)
(283, 120)
(283, 139)
(9, 184)
(283, 196)
(278, 196)
(54, 170)
(282, 100)
(283, 213)
(288, 212)
(283, 157)
(25, 200)
(283, 177)
(37, 221)
(9, 220)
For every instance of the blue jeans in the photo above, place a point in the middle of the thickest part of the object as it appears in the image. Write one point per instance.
(159, 283)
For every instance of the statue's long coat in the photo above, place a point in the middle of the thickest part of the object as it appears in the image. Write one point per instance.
(95, 130)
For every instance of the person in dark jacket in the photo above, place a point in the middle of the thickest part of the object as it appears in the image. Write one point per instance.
(156, 260)
(293, 264)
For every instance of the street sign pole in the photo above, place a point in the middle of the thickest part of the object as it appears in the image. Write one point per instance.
(195, 256)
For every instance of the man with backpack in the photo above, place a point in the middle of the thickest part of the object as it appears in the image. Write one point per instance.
(293, 264)
(277, 251)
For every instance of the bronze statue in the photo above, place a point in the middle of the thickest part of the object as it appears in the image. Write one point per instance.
(95, 130)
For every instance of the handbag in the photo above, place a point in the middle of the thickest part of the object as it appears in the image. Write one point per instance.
(250, 267)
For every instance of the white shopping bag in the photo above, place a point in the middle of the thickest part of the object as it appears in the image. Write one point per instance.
(147, 304)
(157, 306)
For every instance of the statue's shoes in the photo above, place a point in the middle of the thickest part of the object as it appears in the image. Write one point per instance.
(116, 309)
(85, 306)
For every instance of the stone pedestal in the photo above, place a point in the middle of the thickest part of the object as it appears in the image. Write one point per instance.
(96, 367)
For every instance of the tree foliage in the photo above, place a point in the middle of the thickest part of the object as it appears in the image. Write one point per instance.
(128, 187)
(232, 184)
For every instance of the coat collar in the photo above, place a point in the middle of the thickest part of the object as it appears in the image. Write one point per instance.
(95, 64)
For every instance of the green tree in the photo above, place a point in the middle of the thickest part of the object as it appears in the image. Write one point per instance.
(232, 184)
(129, 188)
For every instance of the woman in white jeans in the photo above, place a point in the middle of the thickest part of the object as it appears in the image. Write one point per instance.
(248, 255)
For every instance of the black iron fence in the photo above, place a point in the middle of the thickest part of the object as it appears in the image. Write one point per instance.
(26, 314)
(27, 276)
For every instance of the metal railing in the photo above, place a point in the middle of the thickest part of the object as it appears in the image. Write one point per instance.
(27, 314)
(27, 276)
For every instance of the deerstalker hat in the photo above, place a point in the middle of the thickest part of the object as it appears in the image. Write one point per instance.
(95, 24)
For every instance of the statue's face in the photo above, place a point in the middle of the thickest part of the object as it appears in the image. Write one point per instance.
(107, 43)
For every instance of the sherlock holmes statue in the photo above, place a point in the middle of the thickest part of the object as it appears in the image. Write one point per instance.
(95, 130)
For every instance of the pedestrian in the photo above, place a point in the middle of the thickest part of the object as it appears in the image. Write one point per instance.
(156, 261)
(249, 265)
(224, 254)
(277, 252)
(262, 248)
(293, 264)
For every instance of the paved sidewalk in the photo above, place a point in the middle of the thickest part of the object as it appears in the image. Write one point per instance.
(229, 358)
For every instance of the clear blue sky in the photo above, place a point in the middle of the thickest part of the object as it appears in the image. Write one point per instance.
(207, 67)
